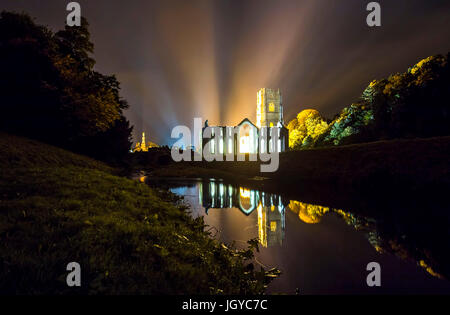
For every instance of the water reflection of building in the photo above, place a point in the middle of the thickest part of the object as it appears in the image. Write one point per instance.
(270, 208)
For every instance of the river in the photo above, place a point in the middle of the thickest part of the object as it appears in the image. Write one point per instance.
(320, 250)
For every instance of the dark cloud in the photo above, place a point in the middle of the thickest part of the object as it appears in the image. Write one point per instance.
(181, 59)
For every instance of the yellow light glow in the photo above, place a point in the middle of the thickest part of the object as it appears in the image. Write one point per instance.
(245, 193)
(273, 226)
(308, 213)
(143, 145)
(271, 107)
(260, 108)
(262, 226)
(424, 265)
(245, 144)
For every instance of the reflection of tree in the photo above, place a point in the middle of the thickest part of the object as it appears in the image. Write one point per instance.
(382, 238)
(308, 213)
(430, 270)
(384, 235)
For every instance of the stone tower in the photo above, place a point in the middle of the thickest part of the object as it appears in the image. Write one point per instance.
(269, 108)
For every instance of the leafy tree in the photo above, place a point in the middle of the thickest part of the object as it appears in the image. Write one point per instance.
(351, 121)
(111, 145)
(50, 90)
(415, 103)
(303, 130)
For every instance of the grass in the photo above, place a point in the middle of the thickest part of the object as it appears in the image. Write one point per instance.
(57, 207)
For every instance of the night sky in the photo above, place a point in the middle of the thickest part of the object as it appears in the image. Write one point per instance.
(178, 60)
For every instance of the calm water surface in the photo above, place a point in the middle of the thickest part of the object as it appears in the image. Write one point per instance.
(320, 250)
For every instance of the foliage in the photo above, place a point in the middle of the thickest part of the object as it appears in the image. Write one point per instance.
(127, 237)
(50, 90)
(347, 125)
(415, 103)
(308, 213)
(305, 129)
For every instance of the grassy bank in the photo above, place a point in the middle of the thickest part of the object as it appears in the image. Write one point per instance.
(57, 207)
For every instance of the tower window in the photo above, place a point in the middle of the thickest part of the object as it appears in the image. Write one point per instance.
(273, 226)
(271, 107)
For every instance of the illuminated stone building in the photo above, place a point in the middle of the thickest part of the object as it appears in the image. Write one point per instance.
(269, 114)
(269, 108)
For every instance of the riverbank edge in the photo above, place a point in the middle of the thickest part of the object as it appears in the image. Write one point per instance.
(382, 170)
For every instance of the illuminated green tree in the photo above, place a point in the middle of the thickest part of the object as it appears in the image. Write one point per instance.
(307, 127)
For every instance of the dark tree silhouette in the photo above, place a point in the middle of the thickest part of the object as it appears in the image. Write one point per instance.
(51, 92)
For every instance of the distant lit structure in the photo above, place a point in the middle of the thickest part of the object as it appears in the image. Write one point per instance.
(269, 113)
(143, 146)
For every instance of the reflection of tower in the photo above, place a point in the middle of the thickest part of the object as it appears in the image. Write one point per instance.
(269, 108)
(275, 226)
(271, 221)
(262, 223)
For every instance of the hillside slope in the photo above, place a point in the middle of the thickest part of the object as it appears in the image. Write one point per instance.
(57, 207)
